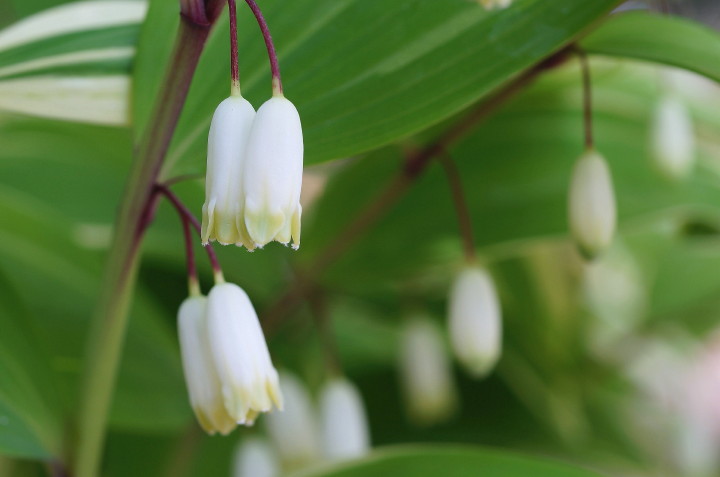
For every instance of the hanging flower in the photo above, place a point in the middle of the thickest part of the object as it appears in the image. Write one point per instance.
(202, 380)
(345, 433)
(273, 174)
(222, 219)
(294, 431)
(255, 458)
(427, 380)
(475, 322)
(249, 380)
(592, 213)
(672, 138)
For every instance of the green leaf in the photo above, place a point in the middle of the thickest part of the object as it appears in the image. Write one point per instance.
(681, 43)
(419, 461)
(515, 169)
(30, 414)
(363, 73)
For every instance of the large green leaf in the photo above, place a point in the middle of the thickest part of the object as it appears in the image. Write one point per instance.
(662, 39)
(363, 73)
(30, 410)
(449, 462)
(515, 169)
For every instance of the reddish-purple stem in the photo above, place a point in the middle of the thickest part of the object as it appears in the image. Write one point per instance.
(234, 69)
(587, 99)
(272, 55)
(192, 220)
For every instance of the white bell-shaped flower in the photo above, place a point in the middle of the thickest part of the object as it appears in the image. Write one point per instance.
(249, 380)
(591, 207)
(202, 380)
(255, 458)
(672, 138)
(294, 431)
(345, 433)
(475, 322)
(428, 386)
(273, 174)
(222, 218)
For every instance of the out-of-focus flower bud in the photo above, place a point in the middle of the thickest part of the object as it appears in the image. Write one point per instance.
(475, 321)
(201, 377)
(255, 458)
(249, 380)
(427, 381)
(592, 213)
(672, 138)
(294, 431)
(222, 218)
(273, 174)
(344, 424)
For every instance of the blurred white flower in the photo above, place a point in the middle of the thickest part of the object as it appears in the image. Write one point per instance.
(201, 377)
(591, 206)
(615, 292)
(344, 424)
(491, 4)
(699, 438)
(273, 174)
(475, 321)
(249, 380)
(222, 217)
(672, 138)
(255, 458)
(427, 381)
(294, 430)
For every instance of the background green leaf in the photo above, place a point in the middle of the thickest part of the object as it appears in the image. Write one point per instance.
(451, 462)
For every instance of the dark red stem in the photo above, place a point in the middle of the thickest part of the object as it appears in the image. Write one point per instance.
(272, 55)
(234, 69)
(587, 99)
(190, 219)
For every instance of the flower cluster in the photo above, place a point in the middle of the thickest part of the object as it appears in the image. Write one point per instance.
(228, 371)
(254, 174)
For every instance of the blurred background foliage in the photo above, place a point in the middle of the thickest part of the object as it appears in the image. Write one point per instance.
(594, 355)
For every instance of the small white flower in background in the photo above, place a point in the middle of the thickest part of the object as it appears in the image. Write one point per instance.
(491, 4)
(249, 380)
(222, 218)
(672, 138)
(344, 424)
(616, 294)
(427, 380)
(591, 207)
(255, 458)
(294, 431)
(201, 377)
(475, 321)
(273, 174)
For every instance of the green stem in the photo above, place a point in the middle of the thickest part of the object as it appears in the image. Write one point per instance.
(109, 324)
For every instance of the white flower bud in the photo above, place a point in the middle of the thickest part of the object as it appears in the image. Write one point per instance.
(672, 139)
(592, 213)
(475, 322)
(255, 458)
(345, 431)
(222, 212)
(294, 430)
(273, 174)
(427, 379)
(202, 380)
(249, 380)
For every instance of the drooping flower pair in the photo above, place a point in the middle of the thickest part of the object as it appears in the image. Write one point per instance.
(229, 374)
(254, 174)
